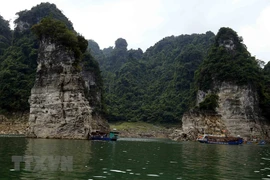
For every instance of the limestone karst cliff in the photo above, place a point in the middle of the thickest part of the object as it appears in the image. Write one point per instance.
(230, 74)
(59, 106)
(237, 113)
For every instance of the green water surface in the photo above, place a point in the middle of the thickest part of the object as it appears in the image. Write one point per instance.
(136, 159)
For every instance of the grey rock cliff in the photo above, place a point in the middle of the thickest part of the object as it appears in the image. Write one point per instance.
(94, 97)
(237, 113)
(58, 105)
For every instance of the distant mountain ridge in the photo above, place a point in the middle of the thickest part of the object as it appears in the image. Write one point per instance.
(154, 86)
(158, 85)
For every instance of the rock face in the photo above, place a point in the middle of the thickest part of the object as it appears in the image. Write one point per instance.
(237, 113)
(58, 105)
(94, 97)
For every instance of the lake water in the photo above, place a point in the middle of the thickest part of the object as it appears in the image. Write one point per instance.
(131, 159)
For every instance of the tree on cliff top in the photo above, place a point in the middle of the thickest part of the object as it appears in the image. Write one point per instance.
(228, 60)
(121, 43)
(57, 32)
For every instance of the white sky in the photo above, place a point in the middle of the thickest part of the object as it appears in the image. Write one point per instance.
(144, 22)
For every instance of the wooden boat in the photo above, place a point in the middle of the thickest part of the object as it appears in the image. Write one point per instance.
(211, 139)
(103, 136)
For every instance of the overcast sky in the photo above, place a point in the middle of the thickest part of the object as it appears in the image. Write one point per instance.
(144, 22)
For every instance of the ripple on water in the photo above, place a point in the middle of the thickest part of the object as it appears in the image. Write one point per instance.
(100, 177)
(153, 175)
(118, 171)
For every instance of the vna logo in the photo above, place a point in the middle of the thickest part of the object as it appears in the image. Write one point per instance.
(43, 163)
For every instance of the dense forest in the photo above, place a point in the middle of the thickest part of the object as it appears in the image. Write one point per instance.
(157, 85)
(154, 86)
(161, 84)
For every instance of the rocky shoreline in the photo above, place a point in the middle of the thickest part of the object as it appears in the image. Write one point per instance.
(14, 124)
(17, 125)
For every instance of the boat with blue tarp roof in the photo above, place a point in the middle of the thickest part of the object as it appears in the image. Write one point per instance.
(104, 136)
(215, 139)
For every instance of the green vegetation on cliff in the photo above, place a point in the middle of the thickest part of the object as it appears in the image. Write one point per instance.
(28, 18)
(57, 32)
(154, 86)
(160, 84)
(157, 85)
(228, 60)
(5, 35)
(18, 59)
(19, 50)
(95, 93)
(210, 103)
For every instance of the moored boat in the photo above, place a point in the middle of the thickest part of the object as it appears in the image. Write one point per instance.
(211, 139)
(261, 142)
(104, 136)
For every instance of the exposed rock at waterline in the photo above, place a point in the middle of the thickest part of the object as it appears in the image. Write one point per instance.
(237, 113)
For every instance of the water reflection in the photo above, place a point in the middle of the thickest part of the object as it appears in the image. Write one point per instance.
(11, 147)
(135, 160)
(138, 160)
(203, 161)
(79, 150)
